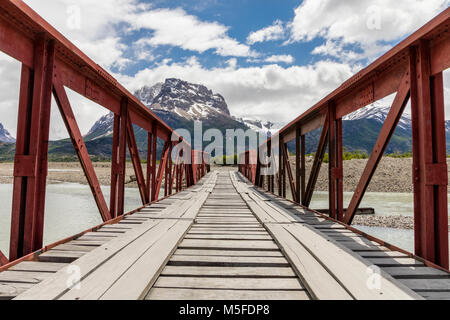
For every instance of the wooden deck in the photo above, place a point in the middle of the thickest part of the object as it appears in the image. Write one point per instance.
(223, 239)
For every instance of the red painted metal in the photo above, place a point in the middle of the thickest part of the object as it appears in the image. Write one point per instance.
(288, 167)
(386, 133)
(30, 167)
(114, 167)
(50, 61)
(318, 158)
(78, 143)
(423, 57)
(161, 170)
(429, 159)
(3, 259)
(136, 160)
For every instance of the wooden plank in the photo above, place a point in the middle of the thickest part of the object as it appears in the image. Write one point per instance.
(213, 294)
(427, 284)
(392, 262)
(139, 278)
(229, 283)
(9, 290)
(38, 266)
(60, 256)
(72, 247)
(55, 286)
(23, 276)
(226, 261)
(235, 253)
(263, 272)
(415, 272)
(349, 268)
(435, 295)
(321, 285)
(231, 244)
(105, 275)
(228, 237)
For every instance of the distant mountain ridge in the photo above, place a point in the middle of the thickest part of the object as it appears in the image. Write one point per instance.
(180, 103)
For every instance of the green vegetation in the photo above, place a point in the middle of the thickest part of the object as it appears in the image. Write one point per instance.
(226, 160)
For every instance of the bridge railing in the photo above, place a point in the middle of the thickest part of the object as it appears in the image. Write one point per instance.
(413, 71)
(51, 63)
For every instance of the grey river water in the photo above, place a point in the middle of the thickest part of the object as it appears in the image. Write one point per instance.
(70, 208)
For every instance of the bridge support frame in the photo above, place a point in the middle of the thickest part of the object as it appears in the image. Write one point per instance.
(430, 178)
(30, 165)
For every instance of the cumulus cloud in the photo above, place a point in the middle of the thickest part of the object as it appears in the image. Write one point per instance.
(369, 24)
(265, 92)
(270, 33)
(285, 58)
(196, 35)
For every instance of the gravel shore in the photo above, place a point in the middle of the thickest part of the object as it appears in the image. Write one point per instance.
(397, 222)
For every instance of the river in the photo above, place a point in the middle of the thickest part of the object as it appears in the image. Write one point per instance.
(70, 208)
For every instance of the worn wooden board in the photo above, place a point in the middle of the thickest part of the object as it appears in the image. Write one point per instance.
(214, 294)
(255, 272)
(228, 283)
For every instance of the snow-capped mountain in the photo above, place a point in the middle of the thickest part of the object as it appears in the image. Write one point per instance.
(379, 112)
(188, 100)
(261, 126)
(5, 136)
(179, 103)
(102, 128)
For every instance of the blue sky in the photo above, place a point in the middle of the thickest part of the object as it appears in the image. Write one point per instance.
(270, 59)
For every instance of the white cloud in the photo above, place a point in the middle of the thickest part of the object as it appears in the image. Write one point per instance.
(270, 33)
(368, 24)
(285, 58)
(177, 28)
(266, 92)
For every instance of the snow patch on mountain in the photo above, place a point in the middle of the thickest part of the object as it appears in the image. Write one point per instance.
(379, 112)
(261, 126)
(5, 136)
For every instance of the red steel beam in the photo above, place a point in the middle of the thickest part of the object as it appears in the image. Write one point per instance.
(3, 259)
(161, 170)
(287, 164)
(335, 165)
(114, 166)
(318, 159)
(429, 159)
(136, 160)
(386, 133)
(153, 174)
(121, 165)
(78, 143)
(30, 166)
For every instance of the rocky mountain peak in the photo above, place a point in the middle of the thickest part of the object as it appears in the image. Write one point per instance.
(192, 101)
(5, 136)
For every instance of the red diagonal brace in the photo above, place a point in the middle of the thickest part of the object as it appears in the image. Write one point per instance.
(386, 133)
(3, 259)
(287, 164)
(162, 166)
(318, 158)
(134, 154)
(80, 147)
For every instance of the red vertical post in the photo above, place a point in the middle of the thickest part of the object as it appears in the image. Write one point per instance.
(122, 156)
(335, 170)
(136, 160)
(149, 165)
(303, 168)
(298, 174)
(114, 167)
(30, 166)
(154, 146)
(429, 159)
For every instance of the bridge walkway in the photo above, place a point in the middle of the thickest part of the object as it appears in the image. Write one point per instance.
(223, 239)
